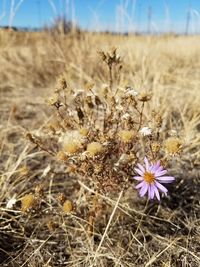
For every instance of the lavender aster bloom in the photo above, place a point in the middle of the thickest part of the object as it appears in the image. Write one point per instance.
(151, 177)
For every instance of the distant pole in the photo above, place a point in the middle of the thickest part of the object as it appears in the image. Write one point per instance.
(187, 22)
(149, 19)
(188, 19)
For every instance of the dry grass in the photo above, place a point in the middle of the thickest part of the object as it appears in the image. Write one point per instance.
(128, 233)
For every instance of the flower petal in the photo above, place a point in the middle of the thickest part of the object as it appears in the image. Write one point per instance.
(140, 185)
(141, 167)
(161, 187)
(155, 167)
(149, 192)
(151, 168)
(160, 173)
(165, 179)
(152, 191)
(143, 190)
(139, 171)
(146, 163)
(159, 169)
(157, 193)
(138, 178)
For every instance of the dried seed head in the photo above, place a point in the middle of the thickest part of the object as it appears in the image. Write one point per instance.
(71, 147)
(94, 148)
(61, 155)
(52, 100)
(61, 198)
(146, 131)
(51, 225)
(61, 84)
(158, 120)
(88, 86)
(72, 142)
(67, 207)
(71, 168)
(97, 100)
(173, 145)
(24, 170)
(27, 202)
(102, 55)
(39, 190)
(11, 202)
(155, 147)
(144, 96)
(132, 157)
(130, 91)
(126, 136)
(84, 131)
(173, 133)
(89, 102)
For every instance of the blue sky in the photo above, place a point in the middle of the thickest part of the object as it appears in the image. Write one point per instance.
(116, 15)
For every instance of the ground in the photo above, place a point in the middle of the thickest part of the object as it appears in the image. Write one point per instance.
(162, 233)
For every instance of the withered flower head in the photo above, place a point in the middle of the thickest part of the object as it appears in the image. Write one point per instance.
(94, 148)
(67, 207)
(27, 202)
(155, 147)
(173, 145)
(61, 198)
(61, 155)
(61, 84)
(144, 96)
(24, 170)
(84, 131)
(126, 136)
(52, 100)
(72, 142)
(131, 91)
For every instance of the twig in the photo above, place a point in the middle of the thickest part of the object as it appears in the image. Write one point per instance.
(108, 225)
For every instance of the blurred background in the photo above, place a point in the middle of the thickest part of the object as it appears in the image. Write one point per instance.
(116, 16)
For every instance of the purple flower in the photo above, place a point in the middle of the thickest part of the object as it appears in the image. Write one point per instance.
(151, 177)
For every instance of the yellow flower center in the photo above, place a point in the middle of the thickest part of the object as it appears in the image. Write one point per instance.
(149, 177)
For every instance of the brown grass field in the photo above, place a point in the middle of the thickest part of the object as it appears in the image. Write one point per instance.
(127, 231)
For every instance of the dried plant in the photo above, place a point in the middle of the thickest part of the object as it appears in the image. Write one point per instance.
(78, 193)
(100, 134)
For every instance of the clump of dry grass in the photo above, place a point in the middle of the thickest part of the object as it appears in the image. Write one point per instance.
(69, 216)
